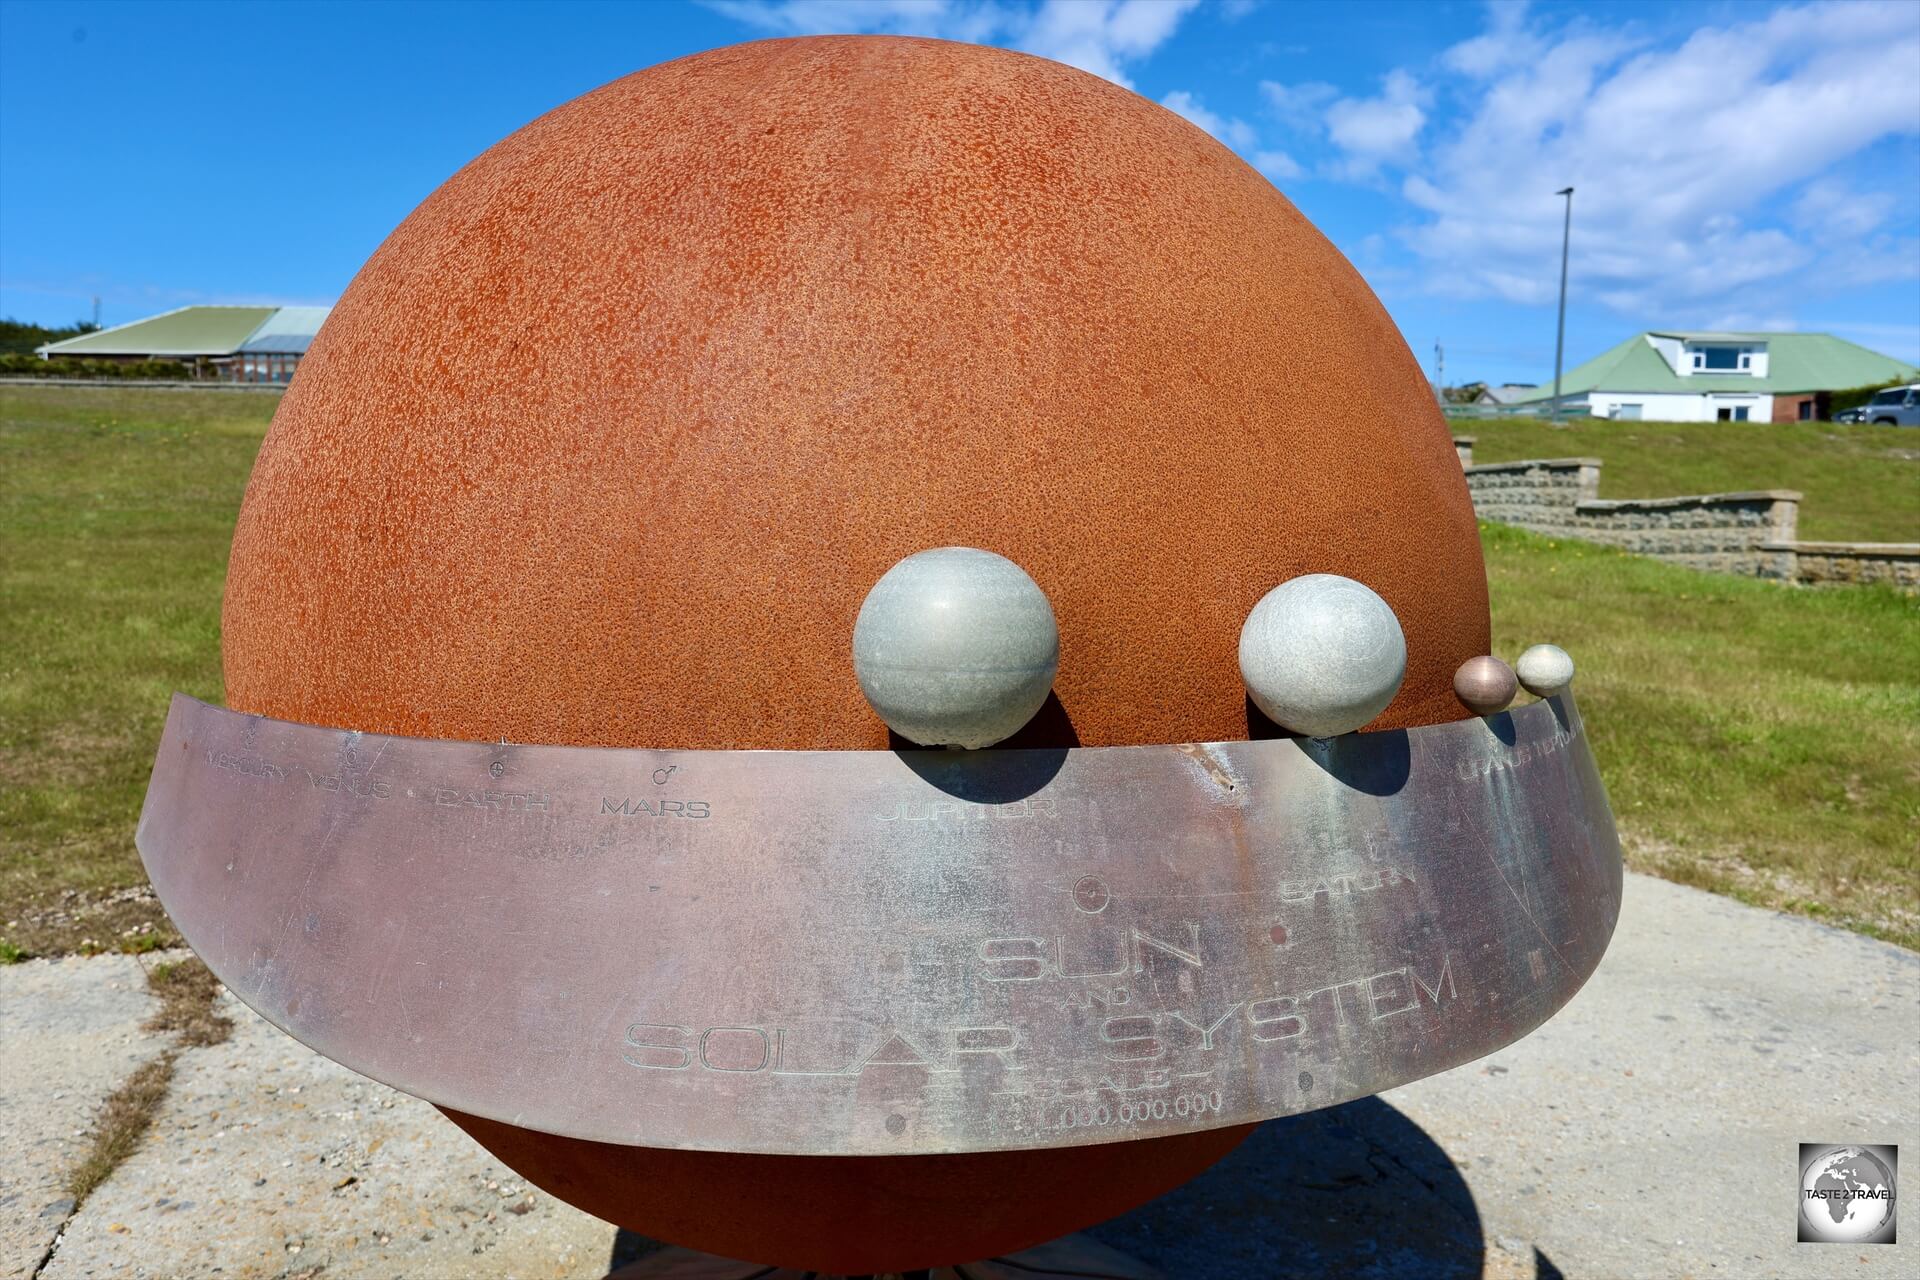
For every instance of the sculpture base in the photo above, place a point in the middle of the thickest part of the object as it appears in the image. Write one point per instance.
(1068, 1256)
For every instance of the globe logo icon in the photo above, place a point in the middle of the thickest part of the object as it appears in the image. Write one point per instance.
(1846, 1194)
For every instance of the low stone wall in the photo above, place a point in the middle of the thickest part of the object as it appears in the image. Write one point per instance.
(1897, 564)
(1722, 532)
(1540, 495)
(1750, 533)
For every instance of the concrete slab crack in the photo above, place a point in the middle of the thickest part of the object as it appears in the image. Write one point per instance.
(187, 991)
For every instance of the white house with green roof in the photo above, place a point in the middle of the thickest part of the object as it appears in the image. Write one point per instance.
(238, 344)
(1726, 377)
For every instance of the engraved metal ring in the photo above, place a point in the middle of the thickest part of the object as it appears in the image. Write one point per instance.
(881, 953)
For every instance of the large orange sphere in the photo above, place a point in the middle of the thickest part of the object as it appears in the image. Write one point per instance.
(608, 441)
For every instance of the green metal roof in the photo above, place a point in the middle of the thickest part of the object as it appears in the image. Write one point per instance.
(189, 331)
(1795, 362)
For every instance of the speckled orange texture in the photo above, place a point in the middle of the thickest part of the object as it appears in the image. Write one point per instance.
(610, 438)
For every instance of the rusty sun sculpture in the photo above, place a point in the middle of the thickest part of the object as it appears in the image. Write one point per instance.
(758, 384)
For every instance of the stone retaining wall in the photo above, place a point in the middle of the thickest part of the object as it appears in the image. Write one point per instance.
(1896, 564)
(1751, 533)
(1722, 532)
(1540, 494)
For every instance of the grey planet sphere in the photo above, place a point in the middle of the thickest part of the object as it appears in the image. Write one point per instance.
(1322, 655)
(956, 647)
(1544, 670)
(1485, 685)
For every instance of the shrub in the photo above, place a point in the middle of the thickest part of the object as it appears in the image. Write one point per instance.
(15, 365)
(1854, 397)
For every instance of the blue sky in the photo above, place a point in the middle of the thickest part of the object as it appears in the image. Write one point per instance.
(1737, 165)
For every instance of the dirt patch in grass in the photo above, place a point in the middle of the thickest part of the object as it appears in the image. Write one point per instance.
(129, 921)
(123, 1120)
(189, 1009)
(189, 1004)
(1872, 909)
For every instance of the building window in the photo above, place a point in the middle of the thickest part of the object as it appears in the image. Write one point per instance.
(1723, 360)
(1733, 413)
(1630, 412)
(1806, 411)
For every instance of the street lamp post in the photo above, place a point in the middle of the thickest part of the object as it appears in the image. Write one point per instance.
(1560, 340)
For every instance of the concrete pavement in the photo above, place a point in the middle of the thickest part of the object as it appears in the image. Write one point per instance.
(1651, 1129)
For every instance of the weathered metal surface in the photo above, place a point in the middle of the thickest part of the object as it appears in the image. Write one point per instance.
(1486, 685)
(1544, 670)
(876, 953)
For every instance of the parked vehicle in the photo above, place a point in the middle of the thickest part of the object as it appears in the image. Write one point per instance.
(1850, 415)
(1894, 407)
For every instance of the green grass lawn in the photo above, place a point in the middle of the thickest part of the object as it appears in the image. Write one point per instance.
(1858, 484)
(1757, 739)
(116, 508)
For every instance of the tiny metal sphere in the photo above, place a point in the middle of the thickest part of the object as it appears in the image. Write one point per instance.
(1322, 655)
(1544, 670)
(1485, 685)
(955, 647)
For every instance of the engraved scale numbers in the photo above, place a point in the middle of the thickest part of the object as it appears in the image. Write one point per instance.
(1062, 1115)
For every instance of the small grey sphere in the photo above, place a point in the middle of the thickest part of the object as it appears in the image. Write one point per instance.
(1322, 655)
(956, 647)
(1544, 670)
(1485, 685)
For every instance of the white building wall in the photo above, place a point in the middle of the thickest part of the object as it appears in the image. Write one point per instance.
(1670, 351)
(1677, 407)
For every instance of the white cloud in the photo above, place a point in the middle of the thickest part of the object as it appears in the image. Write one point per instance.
(1278, 166)
(1827, 211)
(1506, 43)
(1100, 36)
(1300, 106)
(1703, 172)
(1234, 132)
(1373, 130)
(1748, 321)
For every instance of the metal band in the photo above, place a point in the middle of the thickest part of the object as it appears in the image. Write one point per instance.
(871, 953)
